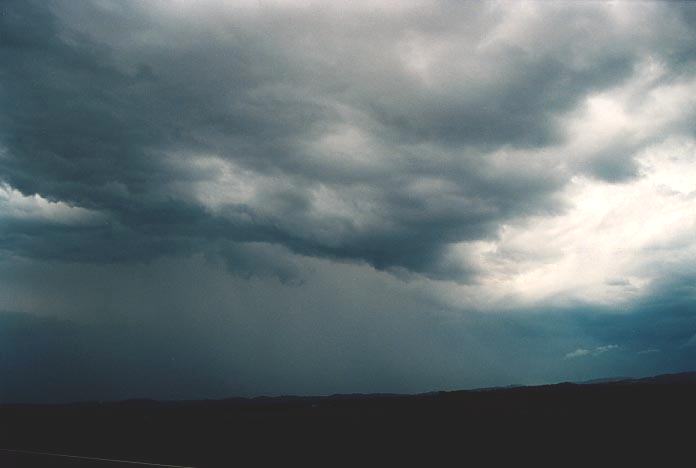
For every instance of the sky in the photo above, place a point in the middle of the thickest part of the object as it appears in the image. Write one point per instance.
(204, 199)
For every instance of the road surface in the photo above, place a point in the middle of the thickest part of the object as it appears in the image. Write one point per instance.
(14, 458)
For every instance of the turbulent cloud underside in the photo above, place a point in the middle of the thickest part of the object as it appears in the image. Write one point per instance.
(509, 158)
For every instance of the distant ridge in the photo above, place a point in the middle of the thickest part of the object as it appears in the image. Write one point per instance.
(262, 400)
(681, 377)
(605, 380)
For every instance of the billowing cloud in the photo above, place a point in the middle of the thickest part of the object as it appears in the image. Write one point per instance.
(530, 160)
(384, 135)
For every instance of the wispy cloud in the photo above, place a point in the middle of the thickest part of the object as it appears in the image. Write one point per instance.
(599, 350)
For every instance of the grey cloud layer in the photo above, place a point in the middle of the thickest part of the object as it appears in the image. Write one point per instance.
(353, 146)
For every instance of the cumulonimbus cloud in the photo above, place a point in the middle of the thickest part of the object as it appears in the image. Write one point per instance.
(383, 135)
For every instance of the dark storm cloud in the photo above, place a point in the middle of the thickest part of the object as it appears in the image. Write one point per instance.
(109, 106)
(323, 154)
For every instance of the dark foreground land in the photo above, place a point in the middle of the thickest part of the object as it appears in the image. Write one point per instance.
(599, 424)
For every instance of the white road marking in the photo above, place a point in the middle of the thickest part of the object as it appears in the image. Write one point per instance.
(50, 454)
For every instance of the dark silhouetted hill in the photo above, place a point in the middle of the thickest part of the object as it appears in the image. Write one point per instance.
(561, 424)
